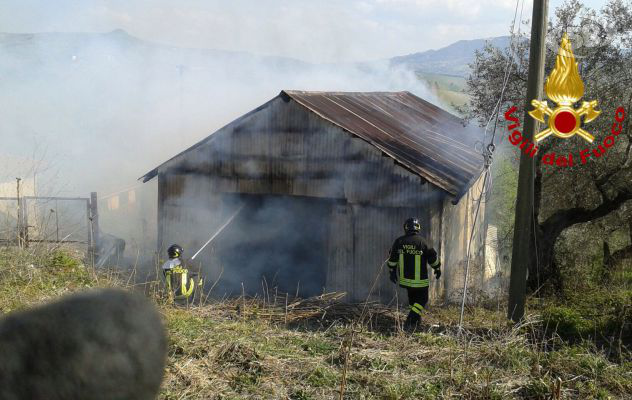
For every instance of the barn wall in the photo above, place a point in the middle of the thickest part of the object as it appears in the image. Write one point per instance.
(457, 222)
(284, 150)
(189, 210)
(359, 236)
(360, 242)
(340, 250)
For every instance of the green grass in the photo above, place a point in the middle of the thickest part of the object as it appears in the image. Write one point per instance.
(445, 82)
(450, 90)
(215, 351)
(29, 277)
(590, 308)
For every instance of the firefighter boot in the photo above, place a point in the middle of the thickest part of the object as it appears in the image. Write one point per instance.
(413, 321)
(414, 317)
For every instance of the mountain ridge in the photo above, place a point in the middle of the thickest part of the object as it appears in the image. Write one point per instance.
(453, 59)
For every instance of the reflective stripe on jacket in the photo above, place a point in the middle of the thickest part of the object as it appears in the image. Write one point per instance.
(411, 256)
(177, 279)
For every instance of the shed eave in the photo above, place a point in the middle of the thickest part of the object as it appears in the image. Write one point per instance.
(151, 174)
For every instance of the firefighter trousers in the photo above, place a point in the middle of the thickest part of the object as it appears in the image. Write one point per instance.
(417, 299)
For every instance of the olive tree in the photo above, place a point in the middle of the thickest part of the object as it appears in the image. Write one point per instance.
(602, 186)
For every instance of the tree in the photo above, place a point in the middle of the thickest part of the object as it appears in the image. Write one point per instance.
(567, 196)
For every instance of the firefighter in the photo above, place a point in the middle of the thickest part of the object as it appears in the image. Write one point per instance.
(409, 259)
(180, 283)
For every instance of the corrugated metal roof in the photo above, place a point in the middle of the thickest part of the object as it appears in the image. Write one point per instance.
(425, 139)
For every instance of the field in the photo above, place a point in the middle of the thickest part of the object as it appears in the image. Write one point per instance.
(314, 348)
(450, 90)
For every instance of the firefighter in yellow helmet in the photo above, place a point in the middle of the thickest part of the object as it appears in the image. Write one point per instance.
(408, 263)
(180, 283)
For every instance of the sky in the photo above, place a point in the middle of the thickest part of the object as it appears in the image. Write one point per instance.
(320, 31)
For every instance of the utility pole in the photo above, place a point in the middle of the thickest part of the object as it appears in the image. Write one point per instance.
(523, 227)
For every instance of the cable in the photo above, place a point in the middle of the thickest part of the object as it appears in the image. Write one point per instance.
(469, 247)
(508, 67)
(487, 155)
(535, 239)
(487, 152)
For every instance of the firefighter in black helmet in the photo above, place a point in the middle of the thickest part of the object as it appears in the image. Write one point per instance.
(408, 266)
(180, 283)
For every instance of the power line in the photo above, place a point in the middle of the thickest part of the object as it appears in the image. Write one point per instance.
(487, 155)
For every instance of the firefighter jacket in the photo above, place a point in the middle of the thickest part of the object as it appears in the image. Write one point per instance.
(177, 279)
(411, 257)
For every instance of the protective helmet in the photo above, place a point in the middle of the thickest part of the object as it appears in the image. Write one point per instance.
(175, 251)
(412, 225)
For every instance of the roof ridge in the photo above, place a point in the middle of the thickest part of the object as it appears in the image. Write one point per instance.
(321, 92)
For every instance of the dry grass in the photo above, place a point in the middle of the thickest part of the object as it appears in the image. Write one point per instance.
(245, 348)
(219, 352)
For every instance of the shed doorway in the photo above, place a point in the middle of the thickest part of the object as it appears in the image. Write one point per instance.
(275, 243)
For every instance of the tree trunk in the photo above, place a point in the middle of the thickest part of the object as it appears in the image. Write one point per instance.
(607, 263)
(618, 257)
(544, 269)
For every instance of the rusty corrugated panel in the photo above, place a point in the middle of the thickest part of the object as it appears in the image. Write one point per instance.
(340, 251)
(374, 231)
(426, 139)
(372, 245)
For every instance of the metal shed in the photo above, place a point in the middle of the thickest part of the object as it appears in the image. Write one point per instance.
(323, 182)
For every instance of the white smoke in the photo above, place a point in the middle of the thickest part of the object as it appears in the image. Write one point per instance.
(107, 108)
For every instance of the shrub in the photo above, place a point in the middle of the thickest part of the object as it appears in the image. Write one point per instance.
(567, 322)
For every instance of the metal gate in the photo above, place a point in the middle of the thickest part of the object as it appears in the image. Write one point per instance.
(32, 219)
(9, 225)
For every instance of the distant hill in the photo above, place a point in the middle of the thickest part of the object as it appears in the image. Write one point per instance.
(449, 60)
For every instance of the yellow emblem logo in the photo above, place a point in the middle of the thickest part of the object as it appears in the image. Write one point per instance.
(564, 86)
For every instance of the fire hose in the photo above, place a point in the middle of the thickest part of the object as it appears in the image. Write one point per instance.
(214, 235)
